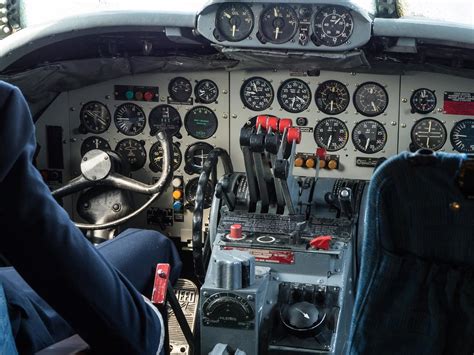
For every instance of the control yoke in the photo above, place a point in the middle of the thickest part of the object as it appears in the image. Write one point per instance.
(269, 150)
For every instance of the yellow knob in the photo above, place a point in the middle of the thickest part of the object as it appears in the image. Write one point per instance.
(177, 194)
(299, 162)
(332, 164)
(310, 163)
(322, 164)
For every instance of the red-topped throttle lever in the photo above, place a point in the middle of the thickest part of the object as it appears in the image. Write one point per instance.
(293, 135)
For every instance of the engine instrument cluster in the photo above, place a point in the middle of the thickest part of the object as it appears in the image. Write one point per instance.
(285, 26)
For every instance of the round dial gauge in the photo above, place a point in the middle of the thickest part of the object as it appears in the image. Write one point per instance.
(462, 136)
(428, 133)
(164, 118)
(227, 310)
(294, 95)
(370, 99)
(279, 23)
(331, 134)
(333, 26)
(94, 143)
(133, 151)
(195, 156)
(206, 91)
(234, 22)
(369, 136)
(423, 101)
(257, 94)
(95, 117)
(200, 122)
(156, 157)
(332, 97)
(180, 89)
(191, 189)
(129, 119)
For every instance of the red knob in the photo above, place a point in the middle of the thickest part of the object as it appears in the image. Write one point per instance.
(236, 231)
(262, 121)
(294, 135)
(272, 122)
(148, 96)
(285, 123)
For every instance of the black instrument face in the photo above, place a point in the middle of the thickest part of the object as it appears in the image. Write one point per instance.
(332, 97)
(331, 134)
(165, 118)
(200, 122)
(429, 133)
(156, 157)
(257, 94)
(195, 156)
(333, 26)
(423, 101)
(191, 189)
(180, 89)
(294, 95)
(94, 142)
(228, 310)
(462, 136)
(369, 136)
(234, 21)
(370, 99)
(95, 117)
(133, 151)
(206, 91)
(278, 23)
(129, 119)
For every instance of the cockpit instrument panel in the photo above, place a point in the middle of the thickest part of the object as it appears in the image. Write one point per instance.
(290, 26)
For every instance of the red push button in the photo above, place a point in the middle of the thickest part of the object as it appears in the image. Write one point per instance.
(148, 96)
(321, 242)
(236, 231)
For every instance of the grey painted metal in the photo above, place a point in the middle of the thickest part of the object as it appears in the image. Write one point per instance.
(33, 38)
(96, 165)
(455, 33)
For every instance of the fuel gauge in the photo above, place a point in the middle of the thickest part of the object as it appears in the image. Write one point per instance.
(279, 23)
(234, 22)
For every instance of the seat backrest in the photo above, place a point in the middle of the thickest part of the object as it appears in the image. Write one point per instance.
(7, 343)
(415, 293)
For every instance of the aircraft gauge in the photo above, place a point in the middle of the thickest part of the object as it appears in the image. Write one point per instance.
(294, 95)
(94, 142)
(423, 101)
(195, 156)
(278, 23)
(234, 22)
(164, 118)
(333, 26)
(180, 89)
(369, 136)
(331, 134)
(257, 94)
(200, 122)
(133, 151)
(332, 97)
(428, 133)
(370, 99)
(156, 157)
(206, 91)
(462, 136)
(191, 189)
(129, 119)
(95, 117)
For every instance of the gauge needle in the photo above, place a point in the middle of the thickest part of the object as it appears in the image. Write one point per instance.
(277, 32)
(332, 105)
(329, 141)
(275, 11)
(367, 144)
(306, 315)
(255, 86)
(293, 101)
(233, 30)
(227, 15)
(373, 105)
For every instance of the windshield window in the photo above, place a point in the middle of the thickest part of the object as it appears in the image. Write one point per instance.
(42, 11)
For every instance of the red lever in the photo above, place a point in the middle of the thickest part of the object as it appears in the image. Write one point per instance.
(321, 153)
(262, 121)
(321, 242)
(272, 122)
(294, 135)
(160, 285)
(285, 123)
